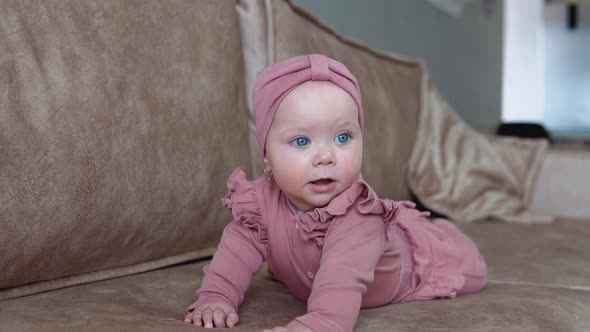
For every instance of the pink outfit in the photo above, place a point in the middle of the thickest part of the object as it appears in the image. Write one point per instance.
(358, 251)
(275, 83)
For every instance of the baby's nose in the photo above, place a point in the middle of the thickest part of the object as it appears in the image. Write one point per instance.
(324, 157)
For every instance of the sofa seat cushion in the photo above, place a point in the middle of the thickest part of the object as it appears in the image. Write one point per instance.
(555, 254)
(156, 300)
(564, 167)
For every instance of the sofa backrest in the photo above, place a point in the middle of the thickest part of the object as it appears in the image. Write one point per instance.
(120, 122)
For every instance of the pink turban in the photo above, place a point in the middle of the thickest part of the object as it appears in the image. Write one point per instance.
(275, 83)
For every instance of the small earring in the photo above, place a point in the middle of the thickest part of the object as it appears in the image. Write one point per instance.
(268, 174)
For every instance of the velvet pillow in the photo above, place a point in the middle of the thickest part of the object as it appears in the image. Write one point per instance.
(119, 124)
(468, 176)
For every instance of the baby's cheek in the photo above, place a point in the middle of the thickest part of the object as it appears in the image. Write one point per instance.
(289, 171)
(352, 168)
(352, 165)
(292, 179)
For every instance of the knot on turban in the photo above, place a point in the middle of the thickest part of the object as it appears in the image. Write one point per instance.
(275, 82)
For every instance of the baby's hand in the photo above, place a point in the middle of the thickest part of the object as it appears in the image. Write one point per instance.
(214, 314)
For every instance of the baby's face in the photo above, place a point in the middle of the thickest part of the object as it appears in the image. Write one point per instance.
(315, 145)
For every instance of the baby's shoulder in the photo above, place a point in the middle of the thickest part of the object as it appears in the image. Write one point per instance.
(250, 196)
(241, 197)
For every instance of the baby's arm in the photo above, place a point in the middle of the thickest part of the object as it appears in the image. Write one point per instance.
(351, 251)
(238, 257)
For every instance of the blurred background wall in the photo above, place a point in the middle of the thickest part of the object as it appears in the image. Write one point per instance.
(567, 69)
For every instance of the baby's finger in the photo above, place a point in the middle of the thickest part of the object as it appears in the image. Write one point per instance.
(197, 316)
(232, 319)
(208, 318)
(219, 317)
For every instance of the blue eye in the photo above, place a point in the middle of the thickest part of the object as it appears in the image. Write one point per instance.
(343, 138)
(300, 141)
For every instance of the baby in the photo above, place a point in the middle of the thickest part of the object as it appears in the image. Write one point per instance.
(323, 231)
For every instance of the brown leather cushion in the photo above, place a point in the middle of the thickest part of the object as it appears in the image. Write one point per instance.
(119, 124)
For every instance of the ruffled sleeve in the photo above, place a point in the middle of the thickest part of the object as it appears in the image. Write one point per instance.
(241, 201)
(386, 208)
(241, 251)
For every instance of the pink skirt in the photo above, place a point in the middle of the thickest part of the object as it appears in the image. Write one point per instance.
(438, 259)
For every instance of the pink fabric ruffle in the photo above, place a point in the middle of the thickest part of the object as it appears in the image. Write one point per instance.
(437, 260)
(360, 195)
(241, 200)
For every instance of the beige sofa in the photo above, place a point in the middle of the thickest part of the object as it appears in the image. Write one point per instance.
(120, 122)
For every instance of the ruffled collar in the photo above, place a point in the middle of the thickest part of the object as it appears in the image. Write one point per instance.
(339, 204)
(316, 221)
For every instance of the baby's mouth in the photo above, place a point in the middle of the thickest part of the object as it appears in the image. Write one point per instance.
(322, 186)
(322, 182)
